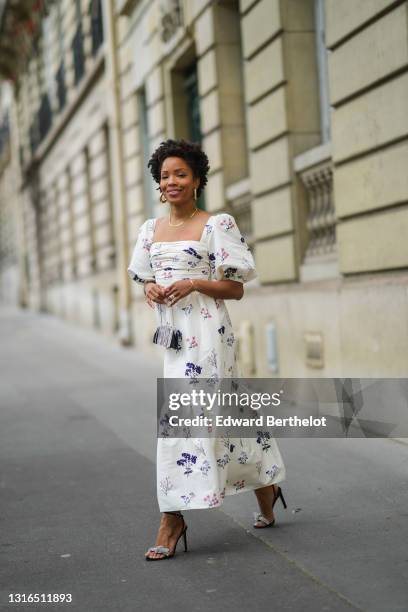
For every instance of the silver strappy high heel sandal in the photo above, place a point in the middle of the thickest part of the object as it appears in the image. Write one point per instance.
(164, 550)
(259, 518)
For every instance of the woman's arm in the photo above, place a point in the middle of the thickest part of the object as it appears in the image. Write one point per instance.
(222, 289)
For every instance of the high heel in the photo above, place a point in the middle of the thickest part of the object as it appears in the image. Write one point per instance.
(164, 550)
(282, 498)
(259, 518)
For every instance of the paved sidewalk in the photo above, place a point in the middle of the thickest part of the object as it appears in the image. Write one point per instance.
(78, 505)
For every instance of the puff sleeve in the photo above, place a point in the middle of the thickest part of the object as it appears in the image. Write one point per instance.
(229, 255)
(140, 268)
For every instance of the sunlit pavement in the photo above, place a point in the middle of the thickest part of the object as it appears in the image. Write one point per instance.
(78, 504)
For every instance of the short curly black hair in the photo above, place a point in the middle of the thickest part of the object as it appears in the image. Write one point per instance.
(192, 154)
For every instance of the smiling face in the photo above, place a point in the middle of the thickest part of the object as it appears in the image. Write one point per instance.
(177, 180)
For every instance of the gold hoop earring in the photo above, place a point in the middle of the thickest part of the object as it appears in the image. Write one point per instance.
(161, 198)
(195, 193)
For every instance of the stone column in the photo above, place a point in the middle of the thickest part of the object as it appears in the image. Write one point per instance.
(281, 91)
(86, 30)
(221, 98)
(69, 25)
(117, 164)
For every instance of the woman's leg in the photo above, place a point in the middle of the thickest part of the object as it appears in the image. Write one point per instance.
(265, 497)
(170, 528)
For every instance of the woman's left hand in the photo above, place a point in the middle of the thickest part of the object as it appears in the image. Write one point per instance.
(176, 291)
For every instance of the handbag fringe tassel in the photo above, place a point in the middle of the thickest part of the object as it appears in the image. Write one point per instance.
(167, 335)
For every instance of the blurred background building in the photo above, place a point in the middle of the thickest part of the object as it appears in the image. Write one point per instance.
(301, 106)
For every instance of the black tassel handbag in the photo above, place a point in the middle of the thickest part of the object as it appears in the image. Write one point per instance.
(166, 334)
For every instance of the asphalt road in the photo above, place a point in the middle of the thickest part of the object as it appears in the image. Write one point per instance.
(78, 505)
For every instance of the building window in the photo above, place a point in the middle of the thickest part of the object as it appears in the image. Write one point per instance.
(78, 46)
(44, 116)
(314, 169)
(149, 202)
(95, 9)
(78, 52)
(190, 85)
(61, 90)
(193, 104)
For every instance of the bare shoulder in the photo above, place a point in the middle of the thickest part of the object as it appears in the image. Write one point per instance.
(159, 221)
(205, 215)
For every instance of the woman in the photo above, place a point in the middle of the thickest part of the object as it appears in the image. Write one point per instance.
(189, 263)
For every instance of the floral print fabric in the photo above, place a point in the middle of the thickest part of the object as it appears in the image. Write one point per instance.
(199, 472)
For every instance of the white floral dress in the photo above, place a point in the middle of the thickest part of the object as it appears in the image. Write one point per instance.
(199, 472)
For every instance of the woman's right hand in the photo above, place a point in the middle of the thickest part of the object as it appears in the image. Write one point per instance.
(154, 293)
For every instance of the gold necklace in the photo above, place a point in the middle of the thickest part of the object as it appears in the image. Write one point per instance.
(178, 224)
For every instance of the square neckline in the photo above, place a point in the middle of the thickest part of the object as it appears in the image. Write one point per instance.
(178, 241)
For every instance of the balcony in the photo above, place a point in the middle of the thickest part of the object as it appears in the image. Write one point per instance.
(38, 147)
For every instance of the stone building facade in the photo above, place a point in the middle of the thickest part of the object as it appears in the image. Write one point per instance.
(301, 108)
(8, 233)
